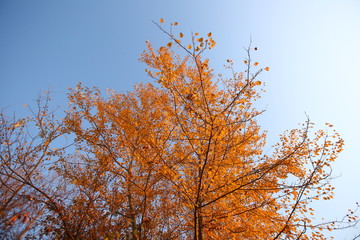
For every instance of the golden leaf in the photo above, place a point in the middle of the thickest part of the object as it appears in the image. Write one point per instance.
(267, 69)
(189, 46)
(256, 63)
(161, 20)
(181, 35)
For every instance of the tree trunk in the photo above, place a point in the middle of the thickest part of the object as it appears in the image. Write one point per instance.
(198, 226)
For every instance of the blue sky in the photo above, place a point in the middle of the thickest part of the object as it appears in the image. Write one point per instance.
(311, 46)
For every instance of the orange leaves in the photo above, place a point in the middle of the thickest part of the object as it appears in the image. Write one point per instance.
(198, 43)
(189, 145)
(257, 83)
(211, 42)
(161, 20)
(205, 113)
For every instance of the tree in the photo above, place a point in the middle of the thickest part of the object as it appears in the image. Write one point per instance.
(221, 176)
(178, 159)
(25, 154)
(187, 155)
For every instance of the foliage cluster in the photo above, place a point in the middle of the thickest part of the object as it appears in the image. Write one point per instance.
(179, 159)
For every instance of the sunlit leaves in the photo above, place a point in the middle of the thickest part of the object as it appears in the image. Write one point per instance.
(181, 156)
(257, 83)
(193, 89)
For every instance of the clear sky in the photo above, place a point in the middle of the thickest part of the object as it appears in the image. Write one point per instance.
(311, 46)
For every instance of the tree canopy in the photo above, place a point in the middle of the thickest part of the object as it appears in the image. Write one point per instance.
(180, 158)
